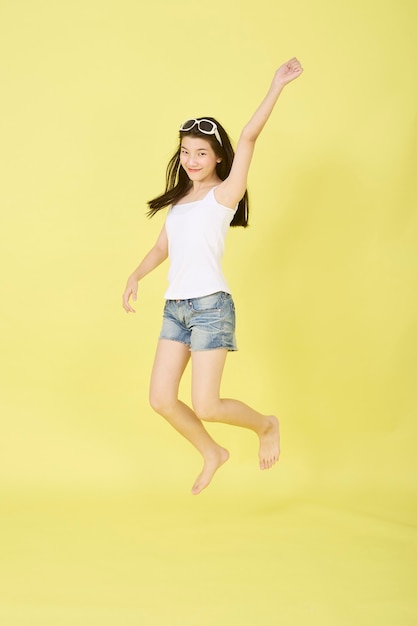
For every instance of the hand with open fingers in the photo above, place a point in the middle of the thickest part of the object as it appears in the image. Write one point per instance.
(131, 291)
(289, 71)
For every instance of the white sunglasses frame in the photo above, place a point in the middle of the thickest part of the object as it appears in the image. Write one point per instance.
(197, 121)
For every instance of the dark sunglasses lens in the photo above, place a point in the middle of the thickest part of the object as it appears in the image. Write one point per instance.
(206, 126)
(188, 125)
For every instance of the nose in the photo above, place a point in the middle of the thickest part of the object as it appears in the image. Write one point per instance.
(191, 160)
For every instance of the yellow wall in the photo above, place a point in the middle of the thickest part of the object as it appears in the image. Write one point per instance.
(324, 279)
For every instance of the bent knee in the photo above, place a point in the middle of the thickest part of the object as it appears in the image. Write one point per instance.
(208, 412)
(161, 403)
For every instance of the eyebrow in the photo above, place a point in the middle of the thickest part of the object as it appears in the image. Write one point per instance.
(197, 149)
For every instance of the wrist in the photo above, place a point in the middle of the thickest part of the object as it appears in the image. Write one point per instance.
(277, 86)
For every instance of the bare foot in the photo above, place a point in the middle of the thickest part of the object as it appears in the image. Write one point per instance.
(269, 444)
(211, 464)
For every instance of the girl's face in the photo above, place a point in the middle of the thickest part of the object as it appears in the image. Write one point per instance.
(198, 159)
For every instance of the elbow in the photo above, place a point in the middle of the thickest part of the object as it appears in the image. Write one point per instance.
(162, 253)
(248, 135)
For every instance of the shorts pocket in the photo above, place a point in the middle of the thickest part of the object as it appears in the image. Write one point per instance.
(213, 302)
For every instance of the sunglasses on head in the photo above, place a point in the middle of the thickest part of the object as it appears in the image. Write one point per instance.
(204, 126)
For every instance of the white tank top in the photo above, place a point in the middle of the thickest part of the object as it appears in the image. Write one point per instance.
(196, 234)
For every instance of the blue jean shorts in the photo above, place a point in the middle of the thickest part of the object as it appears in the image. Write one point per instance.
(202, 323)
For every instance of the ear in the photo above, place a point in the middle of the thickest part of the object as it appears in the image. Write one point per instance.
(219, 160)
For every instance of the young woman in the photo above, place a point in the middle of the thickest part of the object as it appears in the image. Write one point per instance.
(206, 191)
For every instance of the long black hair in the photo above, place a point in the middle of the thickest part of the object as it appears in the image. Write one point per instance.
(177, 183)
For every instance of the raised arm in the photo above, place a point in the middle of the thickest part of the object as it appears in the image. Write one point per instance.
(232, 189)
(156, 255)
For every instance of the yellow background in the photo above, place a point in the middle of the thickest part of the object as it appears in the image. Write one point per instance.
(98, 525)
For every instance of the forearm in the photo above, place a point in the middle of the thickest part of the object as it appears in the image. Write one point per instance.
(154, 258)
(258, 120)
(283, 75)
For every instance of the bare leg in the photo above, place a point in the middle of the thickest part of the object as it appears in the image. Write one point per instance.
(206, 378)
(170, 362)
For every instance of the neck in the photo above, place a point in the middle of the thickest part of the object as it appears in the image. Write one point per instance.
(207, 184)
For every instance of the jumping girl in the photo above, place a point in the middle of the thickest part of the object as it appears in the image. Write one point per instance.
(206, 192)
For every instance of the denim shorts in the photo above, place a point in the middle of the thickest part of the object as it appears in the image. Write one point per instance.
(202, 323)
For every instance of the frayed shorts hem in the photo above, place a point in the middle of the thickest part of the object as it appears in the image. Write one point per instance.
(184, 343)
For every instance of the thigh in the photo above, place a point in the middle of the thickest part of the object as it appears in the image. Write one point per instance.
(207, 370)
(171, 359)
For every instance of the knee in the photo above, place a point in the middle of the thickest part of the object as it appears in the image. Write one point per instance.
(155, 401)
(160, 403)
(206, 411)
